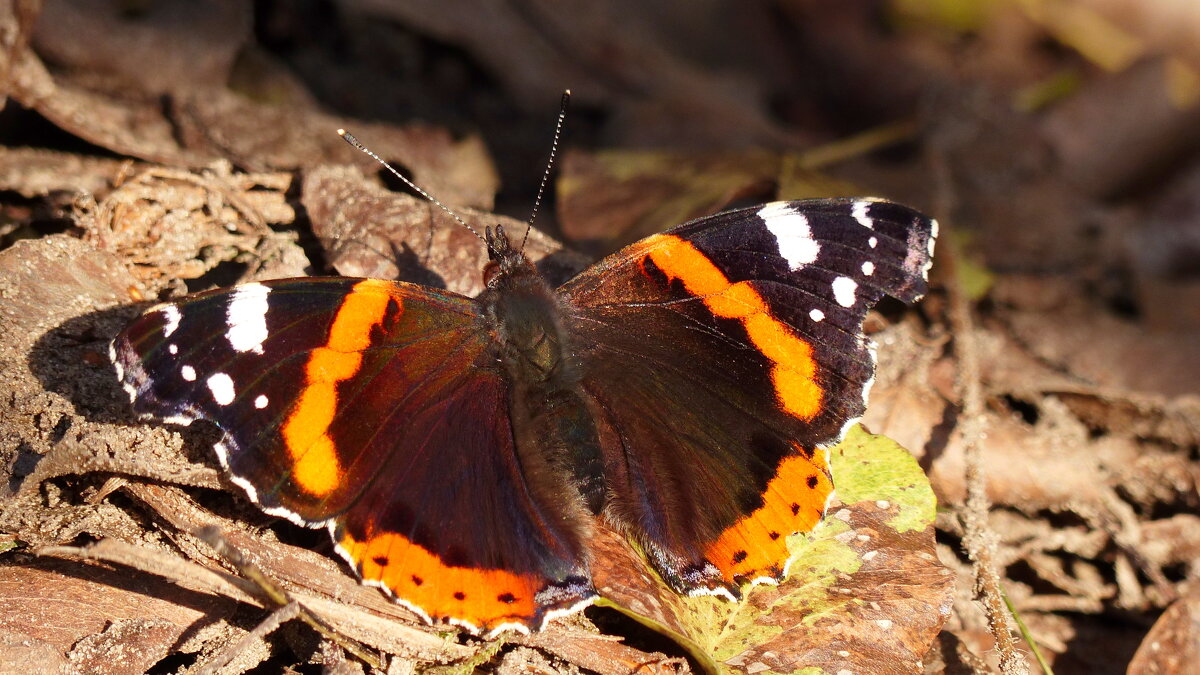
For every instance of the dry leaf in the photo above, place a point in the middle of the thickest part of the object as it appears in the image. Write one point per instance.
(368, 231)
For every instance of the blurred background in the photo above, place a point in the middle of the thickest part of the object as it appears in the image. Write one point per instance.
(1055, 140)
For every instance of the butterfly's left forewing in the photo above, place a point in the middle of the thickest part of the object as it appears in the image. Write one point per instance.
(274, 364)
(707, 471)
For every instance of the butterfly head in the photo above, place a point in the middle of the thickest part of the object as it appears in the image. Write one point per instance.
(503, 259)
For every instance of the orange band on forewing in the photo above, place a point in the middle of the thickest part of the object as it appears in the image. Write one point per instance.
(794, 501)
(794, 372)
(484, 598)
(316, 468)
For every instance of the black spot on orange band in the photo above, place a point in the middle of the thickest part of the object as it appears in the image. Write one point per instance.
(409, 566)
(755, 545)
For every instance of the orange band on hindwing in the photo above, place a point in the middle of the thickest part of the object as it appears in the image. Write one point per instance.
(793, 370)
(794, 501)
(316, 468)
(484, 598)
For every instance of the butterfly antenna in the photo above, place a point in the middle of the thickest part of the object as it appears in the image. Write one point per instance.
(537, 202)
(349, 138)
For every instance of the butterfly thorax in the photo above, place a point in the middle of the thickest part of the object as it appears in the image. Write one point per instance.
(524, 315)
(551, 420)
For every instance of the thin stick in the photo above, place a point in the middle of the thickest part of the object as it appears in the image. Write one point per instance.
(978, 538)
(274, 620)
(349, 138)
(279, 597)
(537, 202)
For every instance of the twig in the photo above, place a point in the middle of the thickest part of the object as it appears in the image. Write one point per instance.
(857, 145)
(265, 627)
(279, 597)
(978, 539)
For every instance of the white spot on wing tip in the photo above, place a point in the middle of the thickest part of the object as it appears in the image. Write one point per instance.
(873, 242)
(859, 211)
(844, 290)
(260, 401)
(221, 387)
(792, 234)
(868, 268)
(188, 373)
(816, 315)
(246, 318)
(172, 316)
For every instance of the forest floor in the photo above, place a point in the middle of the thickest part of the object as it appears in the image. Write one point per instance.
(1046, 386)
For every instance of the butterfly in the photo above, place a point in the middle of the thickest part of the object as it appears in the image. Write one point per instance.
(683, 390)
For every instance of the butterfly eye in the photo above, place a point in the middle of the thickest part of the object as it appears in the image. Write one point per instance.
(490, 271)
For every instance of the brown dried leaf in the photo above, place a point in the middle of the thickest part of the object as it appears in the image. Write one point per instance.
(1053, 467)
(46, 282)
(1171, 541)
(619, 196)
(132, 125)
(36, 657)
(1013, 368)
(1172, 647)
(907, 405)
(624, 54)
(17, 18)
(600, 653)
(126, 646)
(321, 584)
(37, 173)
(1128, 358)
(259, 136)
(369, 231)
(1162, 250)
(1139, 116)
(157, 47)
(177, 225)
(61, 412)
(204, 124)
(62, 602)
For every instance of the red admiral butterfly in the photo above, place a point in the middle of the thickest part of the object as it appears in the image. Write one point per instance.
(458, 449)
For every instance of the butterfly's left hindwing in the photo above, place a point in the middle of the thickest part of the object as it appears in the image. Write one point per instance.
(744, 331)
